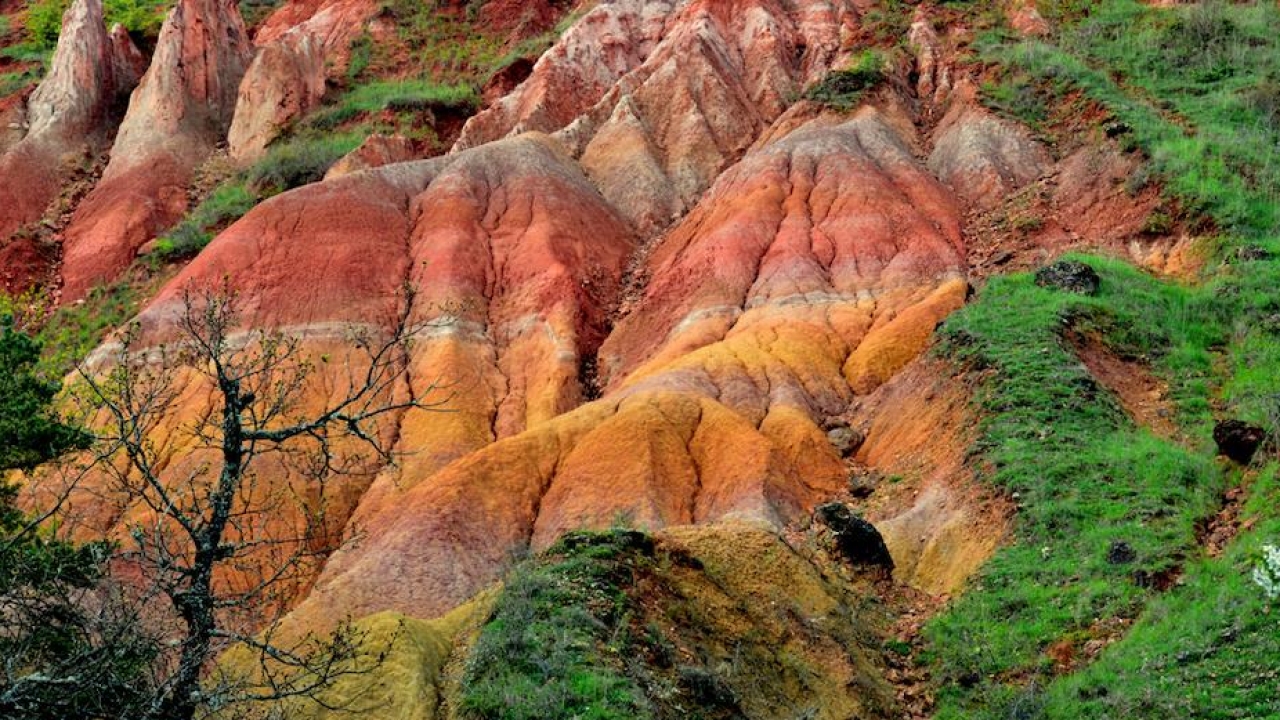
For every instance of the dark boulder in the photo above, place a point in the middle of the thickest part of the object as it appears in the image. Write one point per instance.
(1121, 553)
(857, 540)
(1070, 276)
(1238, 440)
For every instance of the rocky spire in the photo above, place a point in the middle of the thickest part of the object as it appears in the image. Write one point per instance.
(187, 98)
(91, 70)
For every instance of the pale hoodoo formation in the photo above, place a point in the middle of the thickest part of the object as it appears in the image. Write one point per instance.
(284, 81)
(67, 118)
(179, 113)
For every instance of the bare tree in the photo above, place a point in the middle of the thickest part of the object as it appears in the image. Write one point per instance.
(209, 532)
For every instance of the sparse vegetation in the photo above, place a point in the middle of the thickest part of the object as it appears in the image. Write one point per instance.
(404, 96)
(842, 90)
(1175, 633)
(1193, 85)
(287, 165)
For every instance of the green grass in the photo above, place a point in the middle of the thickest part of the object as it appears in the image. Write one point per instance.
(142, 18)
(555, 645)
(1197, 90)
(1196, 86)
(12, 82)
(1209, 650)
(403, 96)
(71, 332)
(299, 161)
(1083, 475)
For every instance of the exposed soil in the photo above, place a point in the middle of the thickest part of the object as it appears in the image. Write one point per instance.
(1217, 532)
(1143, 396)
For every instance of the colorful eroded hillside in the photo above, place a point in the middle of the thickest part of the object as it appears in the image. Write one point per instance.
(747, 358)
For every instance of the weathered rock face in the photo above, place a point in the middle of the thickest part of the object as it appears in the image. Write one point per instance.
(791, 263)
(333, 23)
(656, 98)
(834, 224)
(516, 256)
(984, 158)
(375, 151)
(284, 81)
(765, 305)
(178, 114)
(66, 119)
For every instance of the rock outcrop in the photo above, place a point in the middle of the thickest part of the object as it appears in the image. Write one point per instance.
(176, 117)
(284, 81)
(335, 24)
(656, 98)
(375, 151)
(67, 119)
(982, 157)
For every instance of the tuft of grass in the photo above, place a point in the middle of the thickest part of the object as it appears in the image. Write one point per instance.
(71, 332)
(228, 203)
(396, 96)
(298, 161)
(842, 90)
(12, 82)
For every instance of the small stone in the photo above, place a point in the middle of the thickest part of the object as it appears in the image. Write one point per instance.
(863, 483)
(1070, 276)
(845, 440)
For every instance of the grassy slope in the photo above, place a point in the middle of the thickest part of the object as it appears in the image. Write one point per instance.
(1191, 88)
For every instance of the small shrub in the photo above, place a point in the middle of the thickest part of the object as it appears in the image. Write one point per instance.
(298, 162)
(842, 90)
(1264, 99)
(255, 11)
(225, 205)
(1016, 96)
(361, 56)
(44, 22)
(1158, 222)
